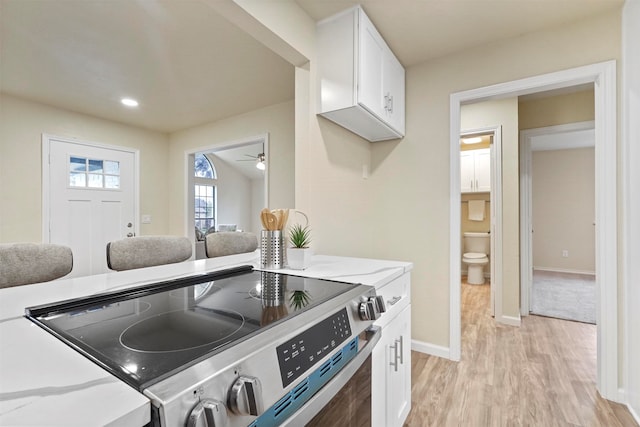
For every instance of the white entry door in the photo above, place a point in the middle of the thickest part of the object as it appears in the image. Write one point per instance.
(91, 200)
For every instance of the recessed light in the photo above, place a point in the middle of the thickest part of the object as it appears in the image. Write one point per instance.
(129, 102)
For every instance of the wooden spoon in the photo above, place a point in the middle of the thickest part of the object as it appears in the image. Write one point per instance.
(272, 221)
(263, 218)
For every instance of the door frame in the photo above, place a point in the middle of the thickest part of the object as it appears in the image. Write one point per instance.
(495, 198)
(46, 169)
(603, 77)
(189, 156)
(526, 203)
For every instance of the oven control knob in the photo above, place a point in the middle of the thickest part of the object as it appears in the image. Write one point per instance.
(380, 304)
(208, 413)
(245, 397)
(368, 310)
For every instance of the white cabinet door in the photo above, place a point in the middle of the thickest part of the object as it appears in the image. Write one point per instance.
(399, 369)
(475, 170)
(467, 171)
(483, 169)
(393, 92)
(391, 373)
(370, 69)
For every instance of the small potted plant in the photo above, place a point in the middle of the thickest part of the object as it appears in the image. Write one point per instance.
(299, 254)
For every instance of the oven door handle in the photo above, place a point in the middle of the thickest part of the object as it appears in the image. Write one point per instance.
(311, 408)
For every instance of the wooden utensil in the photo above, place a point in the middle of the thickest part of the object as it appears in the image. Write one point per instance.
(264, 219)
(272, 221)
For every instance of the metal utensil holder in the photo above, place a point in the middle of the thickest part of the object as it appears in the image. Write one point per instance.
(272, 253)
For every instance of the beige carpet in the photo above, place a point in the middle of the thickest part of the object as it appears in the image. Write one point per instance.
(564, 296)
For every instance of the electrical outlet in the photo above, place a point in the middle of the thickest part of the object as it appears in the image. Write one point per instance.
(565, 253)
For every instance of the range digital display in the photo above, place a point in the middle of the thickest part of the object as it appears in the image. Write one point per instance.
(307, 348)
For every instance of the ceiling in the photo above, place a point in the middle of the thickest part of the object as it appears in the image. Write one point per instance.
(184, 63)
(242, 159)
(187, 65)
(420, 30)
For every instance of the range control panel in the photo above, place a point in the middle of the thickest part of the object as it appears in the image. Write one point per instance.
(307, 348)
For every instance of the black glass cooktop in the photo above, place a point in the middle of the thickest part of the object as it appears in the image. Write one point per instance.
(146, 334)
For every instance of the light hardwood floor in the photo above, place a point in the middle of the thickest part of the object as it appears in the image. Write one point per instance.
(540, 374)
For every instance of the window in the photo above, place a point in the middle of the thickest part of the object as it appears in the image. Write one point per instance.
(205, 193)
(94, 173)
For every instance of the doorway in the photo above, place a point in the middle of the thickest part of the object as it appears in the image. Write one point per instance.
(557, 173)
(89, 198)
(239, 188)
(603, 77)
(483, 187)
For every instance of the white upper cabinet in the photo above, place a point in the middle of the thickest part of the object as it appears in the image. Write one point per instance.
(475, 170)
(361, 81)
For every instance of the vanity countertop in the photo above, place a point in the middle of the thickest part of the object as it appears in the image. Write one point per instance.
(44, 382)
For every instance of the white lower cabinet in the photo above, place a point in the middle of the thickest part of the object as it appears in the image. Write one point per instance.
(391, 373)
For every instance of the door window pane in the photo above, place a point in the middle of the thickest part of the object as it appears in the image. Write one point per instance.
(77, 164)
(111, 182)
(78, 180)
(112, 168)
(95, 166)
(94, 173)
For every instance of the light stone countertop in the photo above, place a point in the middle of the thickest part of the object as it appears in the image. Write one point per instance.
(43, 382)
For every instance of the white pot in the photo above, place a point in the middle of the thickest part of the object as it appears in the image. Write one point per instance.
(299, 258)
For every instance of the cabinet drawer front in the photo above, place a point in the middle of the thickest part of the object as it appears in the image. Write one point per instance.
(397, 296)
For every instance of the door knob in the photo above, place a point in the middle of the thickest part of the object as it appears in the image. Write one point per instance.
(130, 234)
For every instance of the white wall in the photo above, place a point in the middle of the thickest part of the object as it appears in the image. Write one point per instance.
(233, 195)
(257, 204)
(631, 155)
(24, 122)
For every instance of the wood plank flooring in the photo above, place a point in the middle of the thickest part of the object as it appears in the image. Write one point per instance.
(540, 374)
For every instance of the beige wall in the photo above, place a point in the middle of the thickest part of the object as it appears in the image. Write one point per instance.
(276, 120)
(563, 186)
(563, 199)
(408, 188)
(556, 110)
(24, 122)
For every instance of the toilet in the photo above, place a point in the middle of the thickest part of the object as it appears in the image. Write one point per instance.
(476, 256)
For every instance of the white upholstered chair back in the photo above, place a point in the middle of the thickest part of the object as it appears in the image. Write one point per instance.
(27, 263)
(147, 251)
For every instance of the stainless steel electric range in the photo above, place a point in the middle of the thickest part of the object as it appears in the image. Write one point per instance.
(230, 348)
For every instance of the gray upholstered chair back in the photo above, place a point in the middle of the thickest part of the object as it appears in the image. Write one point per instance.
(147, 251)
(27, 263)
(229, 243)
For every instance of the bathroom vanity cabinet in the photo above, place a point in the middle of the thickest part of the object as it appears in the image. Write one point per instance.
(362, 83)
(475, 170)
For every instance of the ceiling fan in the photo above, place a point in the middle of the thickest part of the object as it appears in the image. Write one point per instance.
(259, 159)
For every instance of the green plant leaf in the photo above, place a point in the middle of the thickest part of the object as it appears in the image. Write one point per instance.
(299, 236)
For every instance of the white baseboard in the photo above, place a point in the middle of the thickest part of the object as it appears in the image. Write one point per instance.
(564, 270)
(431, 349)
(622, 398)
(509, 320)
(634, 414)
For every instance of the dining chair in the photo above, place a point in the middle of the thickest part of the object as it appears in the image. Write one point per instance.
(28, 263)
(147, 251)
(229, 243)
